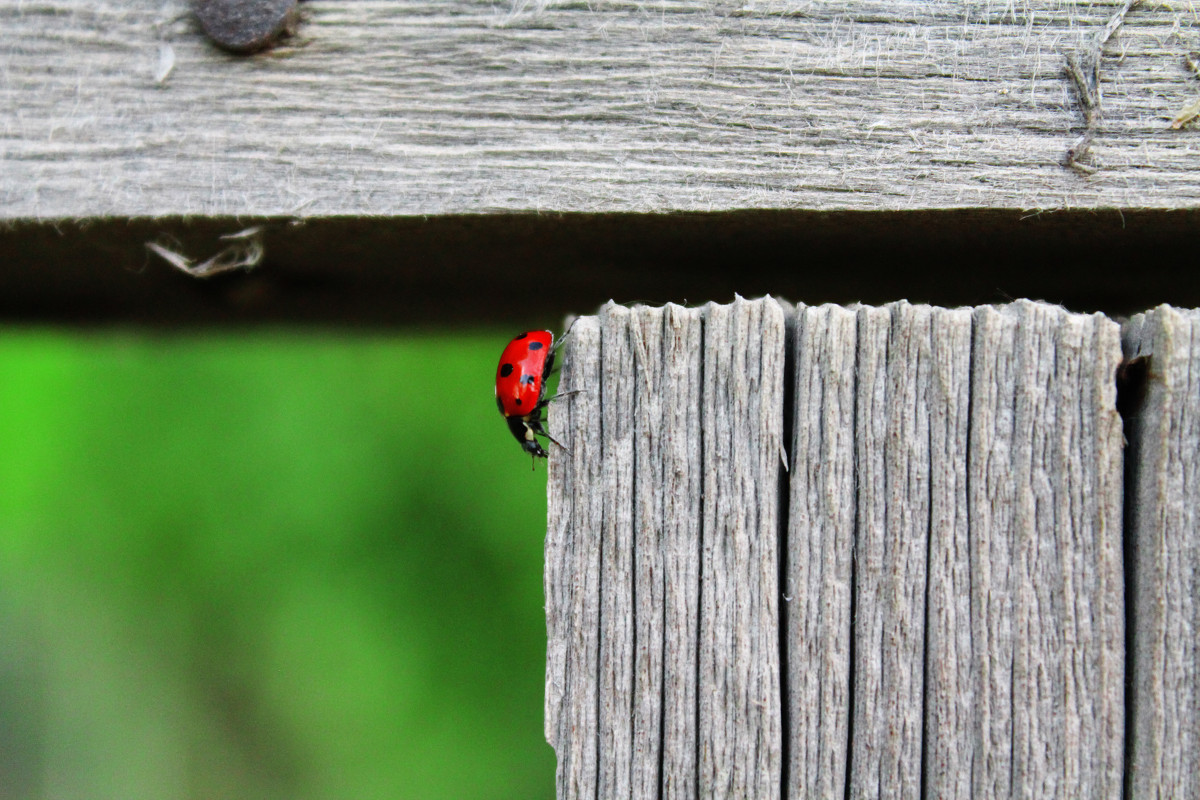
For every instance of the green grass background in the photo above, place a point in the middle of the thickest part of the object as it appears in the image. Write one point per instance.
(269, 565)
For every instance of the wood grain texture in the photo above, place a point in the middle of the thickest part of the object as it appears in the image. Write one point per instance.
(950, 568)
(913, 383)
(122, 108)
(1164, 518)
(740, 705)
(891, 541)
(910, 610)
(949, 732)
(576, 510)
(1047, 611)
(820, 546)
(680, 381)
(616, 388)
(631, 721)
(649, 548)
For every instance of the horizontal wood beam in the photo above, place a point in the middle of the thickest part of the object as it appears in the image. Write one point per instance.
(122, 108)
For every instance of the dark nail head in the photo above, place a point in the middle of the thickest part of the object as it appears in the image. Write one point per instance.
(245, 26)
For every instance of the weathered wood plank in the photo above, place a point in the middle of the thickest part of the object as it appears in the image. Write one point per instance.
(623, 554)
(951, 564)
(680, 448)
(740, 713)
(892, 463)
(1165, 549)
(949, 688)
(649, 546)
(389, 108)
(575, 505)
(617, 389)
(1046, 575)
(820, 546)
(913, 381)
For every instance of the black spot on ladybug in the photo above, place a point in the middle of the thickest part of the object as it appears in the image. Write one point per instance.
(535, 345)
(520, 337)
(506, 370)
(518, 401)
(528, 379)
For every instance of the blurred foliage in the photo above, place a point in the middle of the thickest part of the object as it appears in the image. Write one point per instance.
(269, 565)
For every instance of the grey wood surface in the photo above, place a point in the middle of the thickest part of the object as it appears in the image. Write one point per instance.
(742, 452)
(817, 589)
(572, 572)
(120, 108)
(929, 603)
(910, 433)
(661, 682)
(947, 750)
(678, 391)
(1046, 583)
(1165, 548)
(616, 388)
(891, 542)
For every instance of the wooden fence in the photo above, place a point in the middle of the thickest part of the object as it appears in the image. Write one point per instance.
(874, 552)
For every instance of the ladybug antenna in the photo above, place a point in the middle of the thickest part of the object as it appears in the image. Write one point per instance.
(559, 341)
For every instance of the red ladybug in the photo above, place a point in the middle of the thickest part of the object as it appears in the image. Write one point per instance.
(521, 379)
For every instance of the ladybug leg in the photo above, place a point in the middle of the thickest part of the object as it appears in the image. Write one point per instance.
(536, 427)
(550, 400)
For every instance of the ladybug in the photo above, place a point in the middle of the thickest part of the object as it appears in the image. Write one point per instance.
(521, 378)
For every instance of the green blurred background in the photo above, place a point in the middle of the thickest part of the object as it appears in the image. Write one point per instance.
(266, 565)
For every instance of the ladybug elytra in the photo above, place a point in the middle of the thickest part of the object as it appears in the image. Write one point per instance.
(521, 378)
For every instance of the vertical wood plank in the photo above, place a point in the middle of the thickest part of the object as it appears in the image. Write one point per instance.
(820, 542)
(1045, 528)
(618, 381)
(682, 478)
(949, 685)
(646, 330)
(572, 571)
(1091, 461)
(991, 501)
(892, 459)
(1164, 525)
(739, 701)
